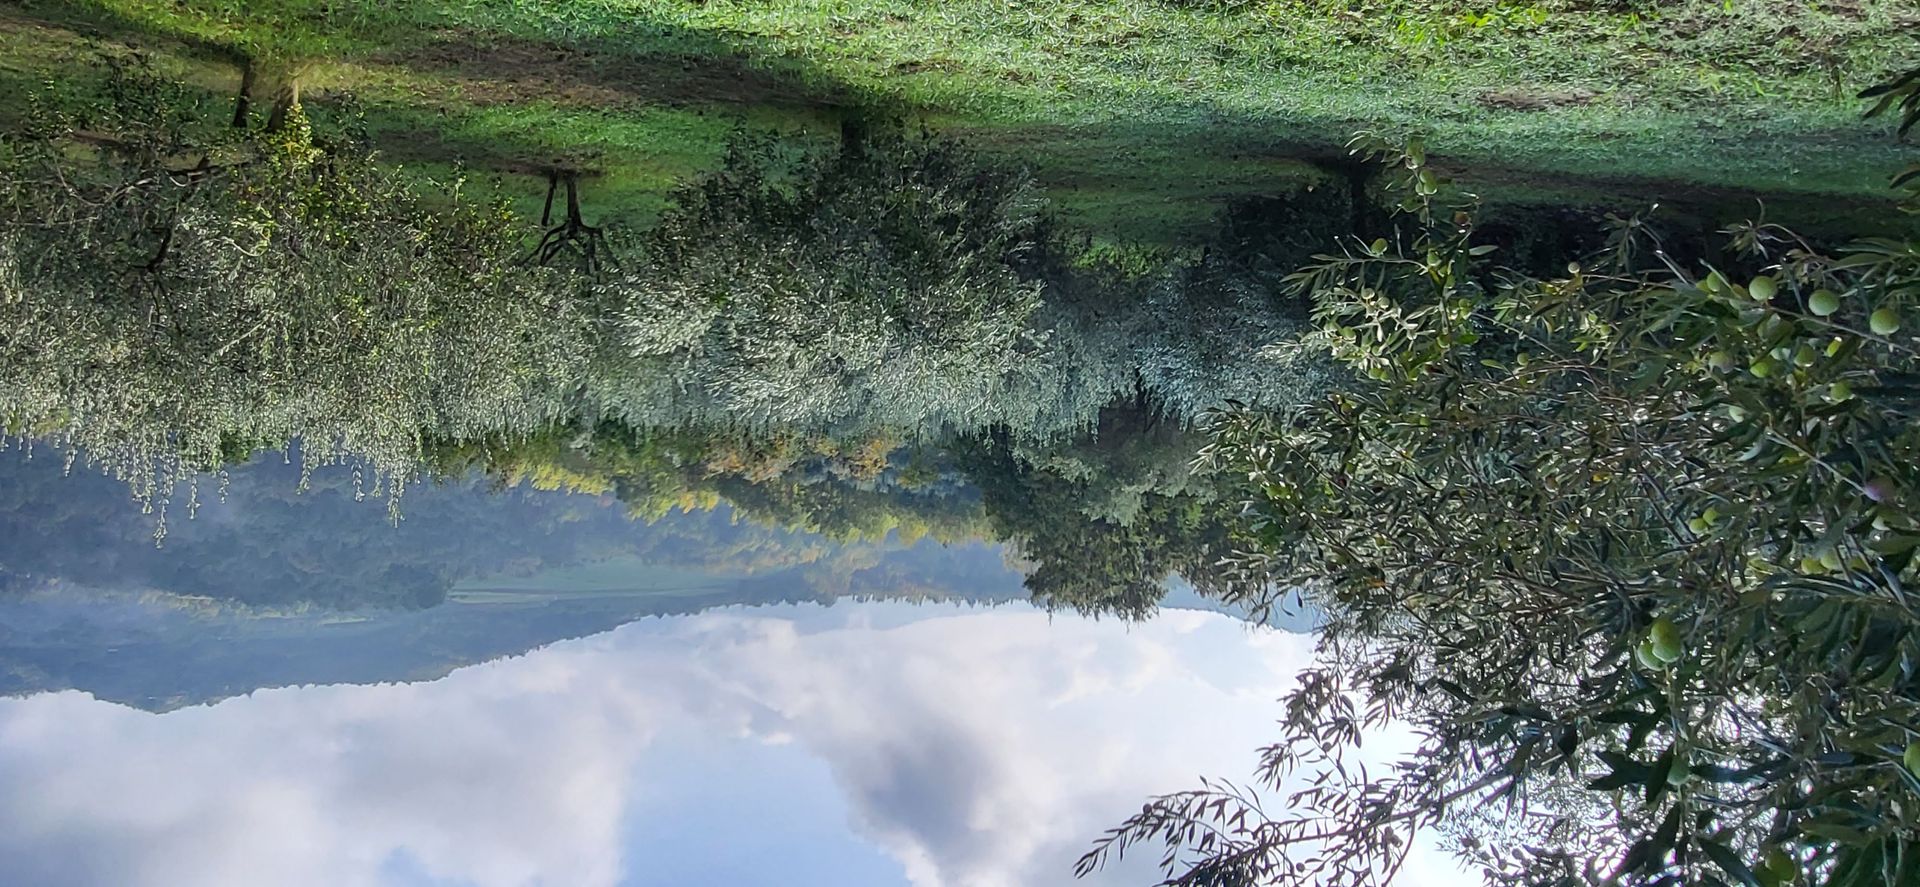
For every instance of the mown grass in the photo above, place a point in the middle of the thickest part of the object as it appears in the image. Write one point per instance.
(1141, 116)
(1740, 94)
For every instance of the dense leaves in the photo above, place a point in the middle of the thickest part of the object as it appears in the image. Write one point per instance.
(890, 280)
(172, 298)
(1900, 97)
(900, 284)
(1630, 549)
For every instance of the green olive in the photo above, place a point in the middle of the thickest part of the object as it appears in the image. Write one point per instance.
(1643, 654)
(1912, 758)
(1761, 289)
(1823, 302)
(1840, 392)
(1720, 361)
(1830, 558)
(1779, 866)
(1884, 322)
(1665, 637)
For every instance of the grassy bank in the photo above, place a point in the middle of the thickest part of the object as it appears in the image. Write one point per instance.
(1141, 117)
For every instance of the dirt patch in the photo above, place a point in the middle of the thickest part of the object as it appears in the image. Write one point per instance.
(11, 23)
(76, 24)
(1522, 99)
(1851, 10)
(506, 71)
(505, 158)
(926, 66)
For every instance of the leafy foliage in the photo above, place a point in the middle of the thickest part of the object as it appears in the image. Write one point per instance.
(1629, 546)
(180, 294)
(900, 284)
(1900, 96)
(171, 299)
(1104, 522)
(890, 280)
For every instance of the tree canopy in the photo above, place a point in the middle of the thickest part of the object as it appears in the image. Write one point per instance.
(1629, 547)
(173, 298)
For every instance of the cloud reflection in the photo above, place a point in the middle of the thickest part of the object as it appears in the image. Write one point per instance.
(973, 747)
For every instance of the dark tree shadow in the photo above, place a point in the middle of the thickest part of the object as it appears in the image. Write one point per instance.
(494, 69)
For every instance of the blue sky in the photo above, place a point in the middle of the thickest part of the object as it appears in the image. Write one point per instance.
(871, 744)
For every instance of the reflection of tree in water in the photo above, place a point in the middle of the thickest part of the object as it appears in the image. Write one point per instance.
(178, 298)
(571, 235)
(891, 340)
(180, 293)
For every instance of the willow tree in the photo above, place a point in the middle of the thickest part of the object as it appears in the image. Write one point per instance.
(174, 295)
(1630, 549)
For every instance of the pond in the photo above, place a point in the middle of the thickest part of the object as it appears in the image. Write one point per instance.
(589, 699)
(1206, 444)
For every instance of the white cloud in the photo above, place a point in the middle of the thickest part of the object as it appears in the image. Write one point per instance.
(980, 748)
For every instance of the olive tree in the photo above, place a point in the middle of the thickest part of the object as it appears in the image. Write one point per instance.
(172, 299)
(888, 282)
(1900, 97)
(1631, 549)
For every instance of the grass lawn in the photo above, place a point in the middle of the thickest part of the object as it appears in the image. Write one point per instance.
(1140, 116)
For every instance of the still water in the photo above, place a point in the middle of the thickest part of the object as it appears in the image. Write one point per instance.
(593, 700)
(659, 443)
(878, 743)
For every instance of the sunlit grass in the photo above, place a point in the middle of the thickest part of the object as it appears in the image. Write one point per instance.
(1139, 115)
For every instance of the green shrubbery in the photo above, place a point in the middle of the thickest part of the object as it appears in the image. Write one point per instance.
(888, 283)
(180, 293)
(173, 293)
(1631, 548)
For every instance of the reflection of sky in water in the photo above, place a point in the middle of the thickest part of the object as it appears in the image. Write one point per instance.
(857, 744)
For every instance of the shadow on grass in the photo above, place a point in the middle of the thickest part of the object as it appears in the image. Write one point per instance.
(1137, 178)
(1120, 168)
(632, 97)
(511, 70)
(625, 62)
(97, 22)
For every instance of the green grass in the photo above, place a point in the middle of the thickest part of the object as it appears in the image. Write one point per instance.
(638, 156)
(1140, 116)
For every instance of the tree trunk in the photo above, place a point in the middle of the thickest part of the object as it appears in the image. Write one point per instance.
(546, 213)
(284, 101)
(1360, 176)
(243, 104)
(853, 139)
